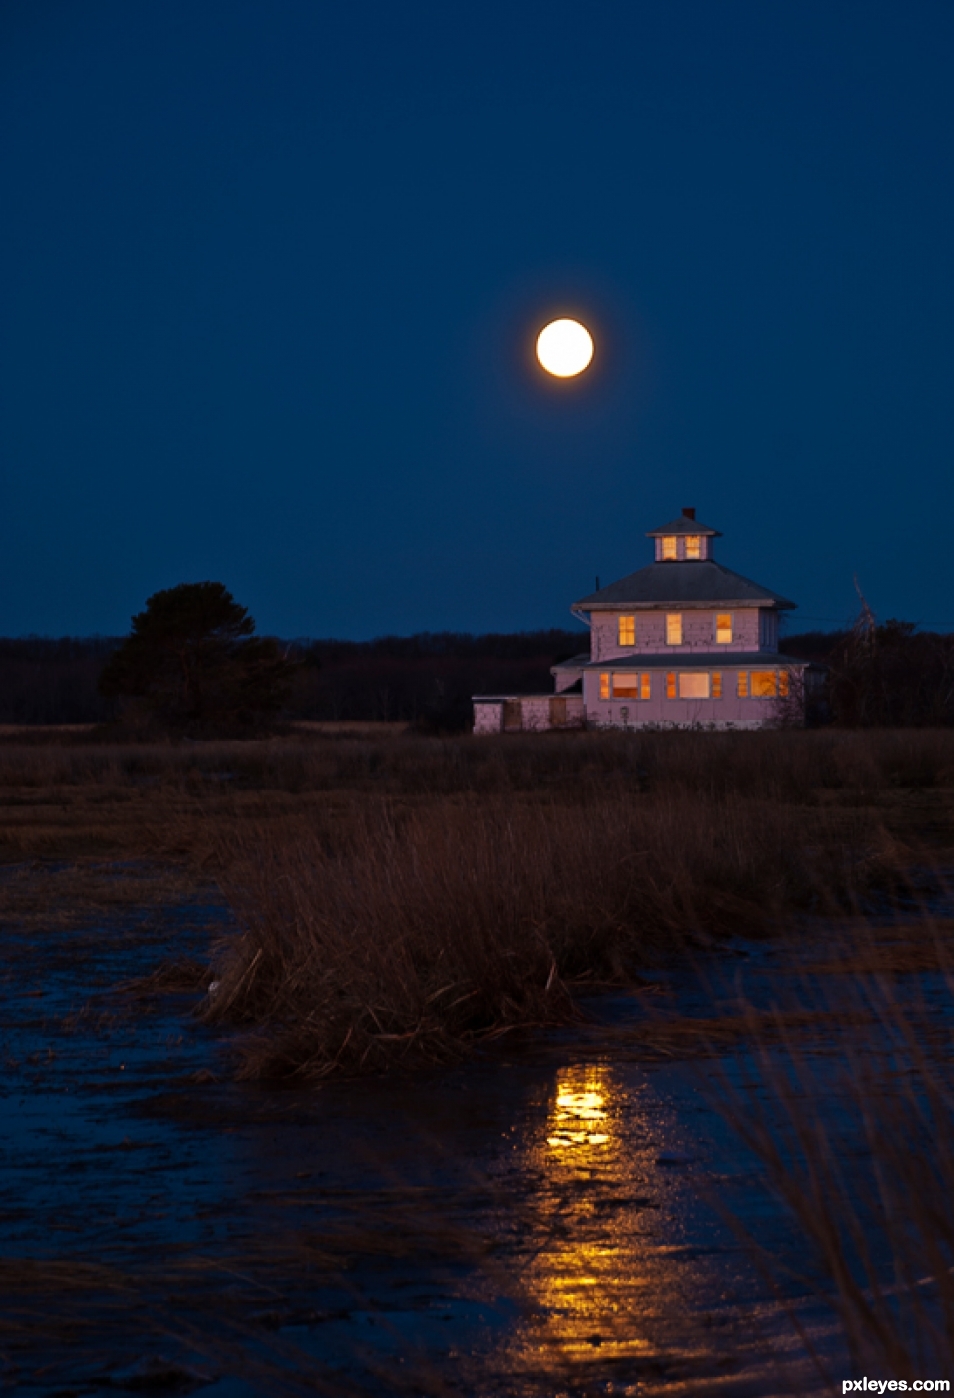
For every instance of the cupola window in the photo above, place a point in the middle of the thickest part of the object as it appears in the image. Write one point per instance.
(669, 546)
(693, 546)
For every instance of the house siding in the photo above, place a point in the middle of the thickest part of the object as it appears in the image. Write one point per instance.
(536, 713)
(658, 711)
(698, 632)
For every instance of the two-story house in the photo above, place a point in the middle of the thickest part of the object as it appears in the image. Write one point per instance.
(681, 643)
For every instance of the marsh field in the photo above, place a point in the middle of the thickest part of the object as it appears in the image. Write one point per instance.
(357, 1061)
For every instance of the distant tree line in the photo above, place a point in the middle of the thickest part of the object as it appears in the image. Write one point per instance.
(888, 676)
(47, 680)
(426, 679)
(880, 675)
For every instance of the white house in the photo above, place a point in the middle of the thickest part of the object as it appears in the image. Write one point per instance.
(682, 643)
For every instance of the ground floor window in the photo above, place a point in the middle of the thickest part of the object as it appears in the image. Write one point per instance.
(763, 684)
(694, 685)
(626, 684)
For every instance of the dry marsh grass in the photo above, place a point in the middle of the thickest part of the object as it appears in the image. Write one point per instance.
(403, 897)
(422, 930)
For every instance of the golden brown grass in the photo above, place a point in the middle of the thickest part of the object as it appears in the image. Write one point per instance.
(417, 931)
(402, 897)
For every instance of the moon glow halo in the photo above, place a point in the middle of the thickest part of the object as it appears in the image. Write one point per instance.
(564, 348)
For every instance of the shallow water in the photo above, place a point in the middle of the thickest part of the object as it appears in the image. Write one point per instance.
(545, 1220)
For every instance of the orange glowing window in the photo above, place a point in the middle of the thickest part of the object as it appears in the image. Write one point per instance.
(743, 684)
(694, 685)
(724, 628)
(717, 684)
(693, 546)
(670, 686)
(626, 685)
(604, 686)
(783, 684)
(764, 684)
(627, 631)
(674, 628)
(669, 546)
(644, 687)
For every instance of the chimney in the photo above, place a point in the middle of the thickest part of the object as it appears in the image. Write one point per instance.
(689, 511)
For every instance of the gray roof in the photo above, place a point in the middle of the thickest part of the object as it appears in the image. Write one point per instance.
(575, 662)
(683, 525)
(707, 660)
(679, 584)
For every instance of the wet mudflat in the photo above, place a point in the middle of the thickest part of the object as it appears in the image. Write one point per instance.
(537, 1221)
(545, 1219)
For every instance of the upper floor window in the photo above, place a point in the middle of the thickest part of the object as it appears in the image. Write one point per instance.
(627, 631)
(724, 628)
(693, 546)
(669, 546)
(674, 628)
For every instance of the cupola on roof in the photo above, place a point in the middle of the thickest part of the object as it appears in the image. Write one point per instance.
(685, 524)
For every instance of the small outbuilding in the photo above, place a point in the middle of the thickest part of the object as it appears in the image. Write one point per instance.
(681, 643)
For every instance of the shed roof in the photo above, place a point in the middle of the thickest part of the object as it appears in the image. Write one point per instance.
(698, 583)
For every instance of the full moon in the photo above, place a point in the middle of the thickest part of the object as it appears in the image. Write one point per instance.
(564, 348)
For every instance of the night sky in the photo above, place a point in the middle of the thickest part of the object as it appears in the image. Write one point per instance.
(272, 272)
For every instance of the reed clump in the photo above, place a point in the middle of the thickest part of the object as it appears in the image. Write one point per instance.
(418, 930)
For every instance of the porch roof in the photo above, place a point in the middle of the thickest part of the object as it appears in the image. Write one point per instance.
(706, 660)
(679, 584)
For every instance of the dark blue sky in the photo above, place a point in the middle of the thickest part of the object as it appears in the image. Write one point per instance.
(272, 271)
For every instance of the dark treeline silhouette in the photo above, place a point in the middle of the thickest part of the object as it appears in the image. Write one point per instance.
(427, 679)
(54, 680)
(887, 676)
(891, 675)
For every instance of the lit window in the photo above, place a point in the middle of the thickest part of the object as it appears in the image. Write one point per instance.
(670, 686)
(674, 628)
(627, 630)
(743, 684)
(724, 628)
(764, 684)
(626, 685)
(644, 687)
(694, 685)
(717, 684)
(693, 546)
(604, 687)
(669, 546)
(783, 684)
